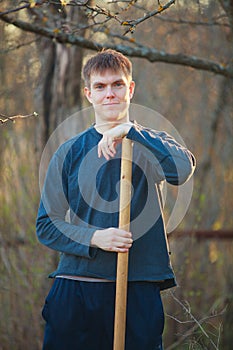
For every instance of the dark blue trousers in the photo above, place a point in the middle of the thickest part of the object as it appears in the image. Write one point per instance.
(80, 316)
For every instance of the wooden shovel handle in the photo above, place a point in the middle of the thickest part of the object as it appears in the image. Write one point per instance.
(122, 258)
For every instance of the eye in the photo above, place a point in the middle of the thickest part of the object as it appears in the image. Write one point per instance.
(99, 87)
(118, 84)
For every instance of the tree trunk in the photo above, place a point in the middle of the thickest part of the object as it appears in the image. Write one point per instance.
(58, 93)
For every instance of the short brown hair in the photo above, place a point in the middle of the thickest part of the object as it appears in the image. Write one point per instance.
(106, 59)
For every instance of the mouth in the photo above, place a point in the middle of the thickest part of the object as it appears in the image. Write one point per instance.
(111, 103)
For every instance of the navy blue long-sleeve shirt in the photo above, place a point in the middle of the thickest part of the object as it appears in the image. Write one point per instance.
(85, 188)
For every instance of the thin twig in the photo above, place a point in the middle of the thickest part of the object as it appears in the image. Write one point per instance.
(4, 118)
(26, 6)
(16, 47)
(200, 321)
(151, 14)
(192, 23)
(127, 39)
(14, 10)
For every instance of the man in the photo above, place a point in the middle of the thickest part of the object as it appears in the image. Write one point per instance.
(83, 181)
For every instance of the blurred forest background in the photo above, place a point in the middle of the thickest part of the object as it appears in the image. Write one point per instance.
(183, 67)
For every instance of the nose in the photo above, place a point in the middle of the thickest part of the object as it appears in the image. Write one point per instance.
(109, 92)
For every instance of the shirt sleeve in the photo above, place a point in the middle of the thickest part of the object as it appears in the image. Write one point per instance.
(170, 160)
(52, 229)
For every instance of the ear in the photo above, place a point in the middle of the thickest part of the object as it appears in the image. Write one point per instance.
(131, 89)
(87, 93)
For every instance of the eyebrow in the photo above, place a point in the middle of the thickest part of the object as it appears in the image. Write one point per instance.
(98, 83)
(114, 82)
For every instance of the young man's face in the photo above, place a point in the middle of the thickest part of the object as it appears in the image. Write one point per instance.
(110, 94)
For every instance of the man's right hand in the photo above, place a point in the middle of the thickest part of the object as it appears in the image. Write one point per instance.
(111, 137)
(112, 239)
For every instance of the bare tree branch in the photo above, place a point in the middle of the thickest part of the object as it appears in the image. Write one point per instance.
(7, 12)
(98, 10)
(4, 118)
(152, 13)
(30, 4)
(110, 34)
(133, 23)
(16, 47)
(213, 22)
(151, 54)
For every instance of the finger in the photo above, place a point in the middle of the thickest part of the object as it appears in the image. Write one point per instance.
(124, 233)
(123, 240)
(118, 250)
(102, 151)
(109, 145)
(107, 152)
(122, 250)
(99, 151)
(124, 245)
(112, 148)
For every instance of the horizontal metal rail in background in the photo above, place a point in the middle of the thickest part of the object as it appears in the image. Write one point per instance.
(202, 234)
